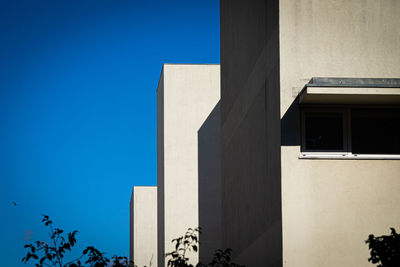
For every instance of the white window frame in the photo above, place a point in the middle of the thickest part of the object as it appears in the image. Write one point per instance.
(336, 154)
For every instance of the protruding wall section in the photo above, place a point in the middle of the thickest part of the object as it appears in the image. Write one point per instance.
(250, 133)
(185, 97)
(143, 223)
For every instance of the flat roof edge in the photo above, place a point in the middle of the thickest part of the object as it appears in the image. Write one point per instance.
(194, 64)
(354, 82)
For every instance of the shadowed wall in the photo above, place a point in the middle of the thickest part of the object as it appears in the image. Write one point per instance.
(250, 114)
(209, 142)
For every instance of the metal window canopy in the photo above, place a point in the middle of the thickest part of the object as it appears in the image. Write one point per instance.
(322, 90)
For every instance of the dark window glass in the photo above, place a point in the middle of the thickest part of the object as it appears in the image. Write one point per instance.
(324, 131)
(375, 131)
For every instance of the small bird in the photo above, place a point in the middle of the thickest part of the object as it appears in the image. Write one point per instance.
(15, 203)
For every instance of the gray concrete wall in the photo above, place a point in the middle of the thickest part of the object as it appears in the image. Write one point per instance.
(143, 230)
(250, 91)
(210, 209)
(331, 206)
(188, 94)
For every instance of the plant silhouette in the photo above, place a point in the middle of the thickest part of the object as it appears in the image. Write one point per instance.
(52, 253)
(221, 258)
(190, 242)
(385, 249)
(183, 244)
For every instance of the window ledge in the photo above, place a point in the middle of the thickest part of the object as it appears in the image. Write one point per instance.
(348, 156)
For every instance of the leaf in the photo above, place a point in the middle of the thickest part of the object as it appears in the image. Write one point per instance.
(393, 231)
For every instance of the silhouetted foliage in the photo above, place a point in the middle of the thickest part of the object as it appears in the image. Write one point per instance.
(221, 258)
(53, 253)
(183, 244)
(119, 261)
(190, 242)
(385, 249)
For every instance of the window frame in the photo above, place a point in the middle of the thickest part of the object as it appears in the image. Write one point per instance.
(346, 152)
(345, 133)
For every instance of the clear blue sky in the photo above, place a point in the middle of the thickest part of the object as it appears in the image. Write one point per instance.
(78, 110)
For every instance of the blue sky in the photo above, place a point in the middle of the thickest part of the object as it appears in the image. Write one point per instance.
(78, 110)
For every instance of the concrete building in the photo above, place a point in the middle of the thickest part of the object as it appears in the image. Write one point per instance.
(310, 166)
(186, 95)
(143, 226)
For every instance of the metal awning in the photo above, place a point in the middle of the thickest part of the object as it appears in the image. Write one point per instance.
(351, 91)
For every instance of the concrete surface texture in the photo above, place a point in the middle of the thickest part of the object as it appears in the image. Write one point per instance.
(143, 232)
(210, 206)
(330, 206)
(185, 97)
(250, 133)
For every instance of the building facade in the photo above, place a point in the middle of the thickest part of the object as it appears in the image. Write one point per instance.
(289, 153)
(314, 160)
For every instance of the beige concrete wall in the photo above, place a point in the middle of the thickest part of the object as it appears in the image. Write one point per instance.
(190, 92)
(329, 207)
(144, 226)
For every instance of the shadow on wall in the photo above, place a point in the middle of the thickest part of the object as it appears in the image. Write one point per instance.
(290, 125)
(209, 179)
(209, 174)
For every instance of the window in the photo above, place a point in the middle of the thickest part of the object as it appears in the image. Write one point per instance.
(350, 132)
(324, 131)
